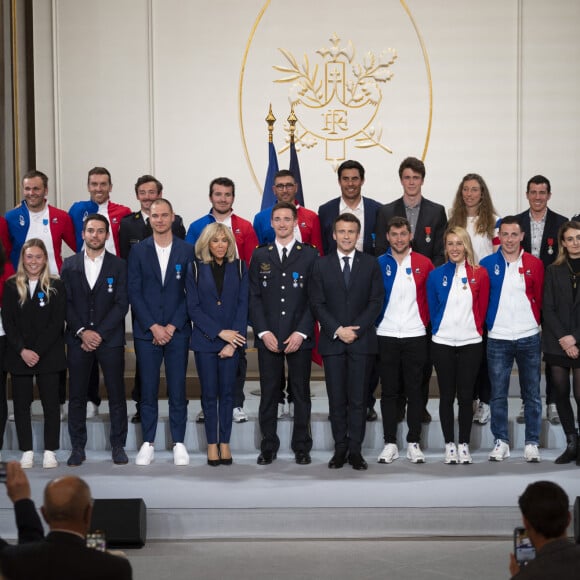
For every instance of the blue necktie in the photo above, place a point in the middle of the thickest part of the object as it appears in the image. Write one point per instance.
(346, 270)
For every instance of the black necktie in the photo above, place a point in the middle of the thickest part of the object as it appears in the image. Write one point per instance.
(346, 270)
(284, 255)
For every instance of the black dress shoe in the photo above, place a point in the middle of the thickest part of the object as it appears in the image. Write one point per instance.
(136, 418)
(337, 461)
(426, 416)
(303, 457)
(119, 456)
(357, 461)
(266, 457)
(371, 414)
(226, 461)
(76, 458)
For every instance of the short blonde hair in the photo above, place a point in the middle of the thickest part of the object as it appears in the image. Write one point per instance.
(210, 232)
(463, 235)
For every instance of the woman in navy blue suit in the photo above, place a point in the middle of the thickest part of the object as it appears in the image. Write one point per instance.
(217, 303)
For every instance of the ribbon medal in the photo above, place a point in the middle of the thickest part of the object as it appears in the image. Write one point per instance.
(408, 271)
(178, 271)
(295, 277)
(41, 299)
(464, 282)
(373, 237)
(45, 224)
(550, 246)
(110, 284)
(427, 234)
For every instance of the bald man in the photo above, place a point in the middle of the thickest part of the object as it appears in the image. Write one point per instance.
(63, 554)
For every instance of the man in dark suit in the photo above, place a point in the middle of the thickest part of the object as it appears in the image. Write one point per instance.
(161, 330)
(135, 228)
(346, 295)
(96, 288)
(284, 330)
(540, 226)
(63, 554)
(351, 178)
(427, 218)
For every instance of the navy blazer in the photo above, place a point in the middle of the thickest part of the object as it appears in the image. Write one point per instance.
(428, 234)
(328, 212)
(335, 305)
(37, 325)
(154, 301)
(553, 222)
(102, 308)
(211, 313)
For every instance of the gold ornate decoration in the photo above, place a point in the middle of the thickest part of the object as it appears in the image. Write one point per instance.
(270, 119)
(341, 103)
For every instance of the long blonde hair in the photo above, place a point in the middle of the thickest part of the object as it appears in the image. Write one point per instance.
(210, 232)
(562, 251)
(44, 280)
(462, 234)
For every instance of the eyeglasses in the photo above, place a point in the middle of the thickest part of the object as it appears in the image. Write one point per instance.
(283, 186)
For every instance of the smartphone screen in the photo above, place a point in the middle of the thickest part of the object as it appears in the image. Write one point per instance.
(523, 548)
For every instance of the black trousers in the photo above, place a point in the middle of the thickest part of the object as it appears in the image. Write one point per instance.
(22, 396)
(347, 378)
(457, 368)
(402, 361)
(81, 363)
(271, 366)
(239, 397)
(3, 403)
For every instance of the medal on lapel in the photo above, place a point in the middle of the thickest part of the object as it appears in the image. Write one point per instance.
(178, 271)
(110, 284)
(550, 246)
(295, 276)
(427, 234)
(41, 301)
(464, 282)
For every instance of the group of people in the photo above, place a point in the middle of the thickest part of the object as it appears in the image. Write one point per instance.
(382, 290)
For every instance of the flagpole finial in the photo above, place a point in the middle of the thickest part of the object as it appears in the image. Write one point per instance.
(292, 118)
(270, 119)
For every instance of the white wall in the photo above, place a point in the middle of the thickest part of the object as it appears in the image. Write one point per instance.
(154, 86)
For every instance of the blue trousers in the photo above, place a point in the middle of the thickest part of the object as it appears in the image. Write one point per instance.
(149, 359)
(218, 383)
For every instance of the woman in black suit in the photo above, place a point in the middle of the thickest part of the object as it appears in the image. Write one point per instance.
(33, 314)
(561, 331)
(217, 303)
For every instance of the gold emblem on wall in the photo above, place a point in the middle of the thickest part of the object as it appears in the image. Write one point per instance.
(337, 97)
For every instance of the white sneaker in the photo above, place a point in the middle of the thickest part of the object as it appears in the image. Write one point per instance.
(450, 454)
(475, 406)
(200, 417)
(49, 460)
(180, 454)
(281, 410)
(552, 414)
(145, 455)
(463, 453)
(532, 453)
(389, 453)
(92, 410)
(27, 460)
(291, 410)
(11, 417)
(500, 452)
(521, 418)
(414, 453)
(239, 415)
(483, 414)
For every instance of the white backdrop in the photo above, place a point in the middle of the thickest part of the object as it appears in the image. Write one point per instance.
(156, 86)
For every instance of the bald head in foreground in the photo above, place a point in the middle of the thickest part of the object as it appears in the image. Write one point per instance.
(63, 553)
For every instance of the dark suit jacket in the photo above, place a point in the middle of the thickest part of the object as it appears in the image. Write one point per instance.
(211, 313)
(328, 212)
(102, 308)
(37, 325)
(62, 556)
(553, 223)
(133, 230)
(154, 301)
(560, 313)
(279, 293)
(431, 215)
(336, 305)
(28, 523)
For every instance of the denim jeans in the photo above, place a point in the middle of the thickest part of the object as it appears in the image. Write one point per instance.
(500, 359)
